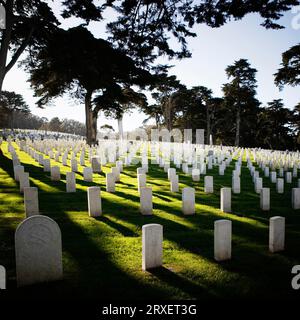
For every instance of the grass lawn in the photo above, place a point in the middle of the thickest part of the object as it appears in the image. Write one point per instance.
(102, 256)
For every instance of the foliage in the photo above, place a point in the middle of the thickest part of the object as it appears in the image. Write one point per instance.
(289, 73)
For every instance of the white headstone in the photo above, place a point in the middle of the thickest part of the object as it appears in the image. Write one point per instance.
(94, 201)
(288, 177)
(71, 182)
(267, 172)
(236, 184)
(46, 165)
(226, 199)
(171, 173)
(74, 165)
(55, 173)
(88, 174)
(258, 185)
(273, 176)
(280, 185)
(277, 234)
(188, 201)
(265, 199)
(24, 181)
(116, 172)
(208, 184)
(31, 201)
(110, 182)
(96, 164)
(222, 240)
(152, 239)
(38, 251)
(296, 198)
(174, 184)
(196, 175)
(140, 171)
(18, 170)
(221, 170)
(146, 206)
(141, 177)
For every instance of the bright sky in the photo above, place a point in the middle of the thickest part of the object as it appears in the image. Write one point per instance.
(212, 49)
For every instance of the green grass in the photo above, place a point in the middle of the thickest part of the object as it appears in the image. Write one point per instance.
(102, 256)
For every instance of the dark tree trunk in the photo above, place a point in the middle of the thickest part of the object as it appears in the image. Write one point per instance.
(238, 123)
(208, 126)
(90, 120)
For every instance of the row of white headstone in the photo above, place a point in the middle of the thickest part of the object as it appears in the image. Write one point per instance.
(188, 194)
(38, 247)
(34, 239)
(152, 235)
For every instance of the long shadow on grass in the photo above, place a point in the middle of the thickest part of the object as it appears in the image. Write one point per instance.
(94, 269)
(85, 247)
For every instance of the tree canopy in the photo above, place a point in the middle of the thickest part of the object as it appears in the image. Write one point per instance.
(289, 73)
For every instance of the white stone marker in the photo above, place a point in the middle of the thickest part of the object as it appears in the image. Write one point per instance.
(221, 170)
(2, 278)
(196, 175)
(82, 159)
(281, 173)
(71, 182)
(141, 177)
(295, 172)
(18, 170)
(119, 165)
(188, 201)
(174, 184)
(110, 182)
(226, 199)
(116, 172)
(265, 199)
(296, 198)
(24, 181)
(96, 164)
(74, 165)
(267, 172)
(236, 184)
(140, 171)
(208, 184)
(280, 185)
(31, 201)
(222, 240)
(88, 174)
(41, 159)
(46, 165)
(171, 173)
(65, 160)
(273, 176)
(277, 234)
(94, 201)
(38, 251)
(146, 206)
(55, 173)
(288, 177)
(258, 185)
(152, 250)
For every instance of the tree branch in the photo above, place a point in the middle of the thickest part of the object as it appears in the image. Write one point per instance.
(20, 50)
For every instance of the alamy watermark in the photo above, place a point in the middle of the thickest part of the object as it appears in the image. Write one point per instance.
(296, 279)
(2, 278)
(296, 19)
(2, 17)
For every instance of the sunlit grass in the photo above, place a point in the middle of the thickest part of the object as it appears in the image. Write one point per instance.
(102, 256)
